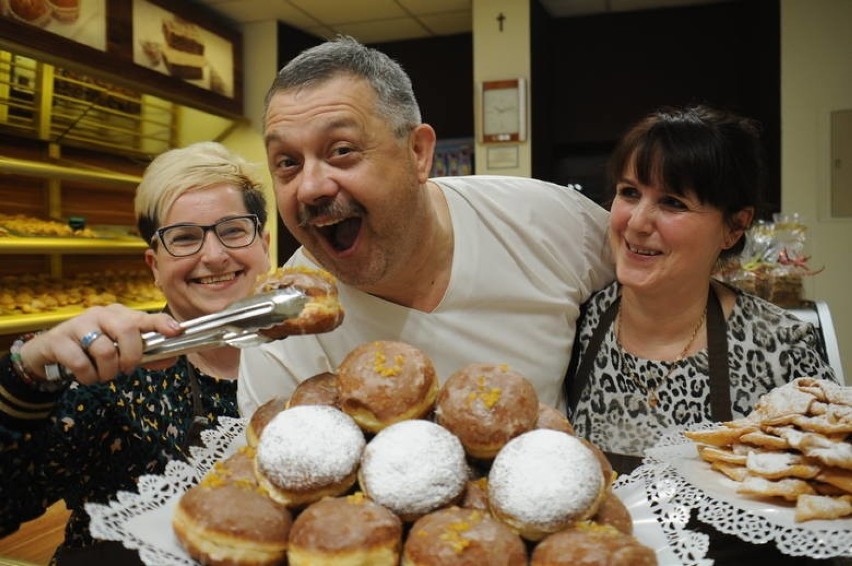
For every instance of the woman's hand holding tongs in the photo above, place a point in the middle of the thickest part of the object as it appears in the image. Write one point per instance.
(96, 345)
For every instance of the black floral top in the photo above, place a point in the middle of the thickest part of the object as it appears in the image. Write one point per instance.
(88, 442)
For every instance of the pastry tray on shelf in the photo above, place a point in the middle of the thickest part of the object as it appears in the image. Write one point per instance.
(11, 324)
(98, 239)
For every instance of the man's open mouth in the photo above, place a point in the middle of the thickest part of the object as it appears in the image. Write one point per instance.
(341, 235)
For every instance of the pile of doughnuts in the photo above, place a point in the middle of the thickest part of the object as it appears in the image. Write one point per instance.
(378, 463)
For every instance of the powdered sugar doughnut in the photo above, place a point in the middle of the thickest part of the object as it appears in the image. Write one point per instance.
(308, 452)
(413, 467)
(544, 480)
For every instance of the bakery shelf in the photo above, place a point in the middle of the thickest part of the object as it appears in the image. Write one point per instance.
(16, 324)
(11, 165)
(22, 245)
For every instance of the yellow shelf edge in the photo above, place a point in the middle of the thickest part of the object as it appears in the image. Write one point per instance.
(20, 245)
(19, 323)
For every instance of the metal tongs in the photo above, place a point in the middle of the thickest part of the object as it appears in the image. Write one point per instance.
(239, 325)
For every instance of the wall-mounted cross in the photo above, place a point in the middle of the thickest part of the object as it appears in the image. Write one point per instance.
(500, 19)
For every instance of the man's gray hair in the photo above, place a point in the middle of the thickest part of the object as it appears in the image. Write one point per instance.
(395, 100)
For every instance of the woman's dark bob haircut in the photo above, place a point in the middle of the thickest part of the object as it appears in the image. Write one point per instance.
(714, 153)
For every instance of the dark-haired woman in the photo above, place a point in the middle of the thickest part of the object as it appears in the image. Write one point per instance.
(666, 345)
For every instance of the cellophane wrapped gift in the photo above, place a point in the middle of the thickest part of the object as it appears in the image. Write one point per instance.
(773, 263)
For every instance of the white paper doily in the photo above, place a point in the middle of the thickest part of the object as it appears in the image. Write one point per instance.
(677, 480)
(142, 521)
(666, 534)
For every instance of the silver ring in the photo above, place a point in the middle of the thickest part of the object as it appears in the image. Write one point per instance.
(86, 341)
(53, 372)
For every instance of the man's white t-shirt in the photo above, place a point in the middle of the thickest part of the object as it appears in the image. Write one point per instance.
(527, 254)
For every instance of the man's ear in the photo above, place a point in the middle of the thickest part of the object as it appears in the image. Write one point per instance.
(422, 140)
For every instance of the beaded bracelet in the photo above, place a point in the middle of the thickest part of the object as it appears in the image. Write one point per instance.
(43, 385)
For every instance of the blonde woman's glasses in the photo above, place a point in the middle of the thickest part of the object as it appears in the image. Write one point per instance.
(181, 240)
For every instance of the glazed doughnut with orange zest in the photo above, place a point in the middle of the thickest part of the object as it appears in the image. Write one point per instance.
(549, 417)
(384, 382)
(320, 389)
(613, 512)
(226, 519)
(486, 405)
(453, 536)
(261, 417)
(322, 313)
(591, 544)
(345, 530)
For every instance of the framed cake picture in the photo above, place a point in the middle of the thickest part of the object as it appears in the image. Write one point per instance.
(174, 46)
(81, 21)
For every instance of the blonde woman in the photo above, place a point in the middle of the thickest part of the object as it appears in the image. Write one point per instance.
(203, 215)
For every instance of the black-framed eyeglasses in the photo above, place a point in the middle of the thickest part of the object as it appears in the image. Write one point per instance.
(182, 240)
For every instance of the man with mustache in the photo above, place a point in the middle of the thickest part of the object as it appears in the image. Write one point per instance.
(468, 269)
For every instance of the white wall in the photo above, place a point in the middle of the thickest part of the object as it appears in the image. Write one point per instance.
(499, 55)
(260, 64)
(816, 79)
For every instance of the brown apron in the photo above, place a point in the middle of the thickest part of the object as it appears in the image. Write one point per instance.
(717, 351)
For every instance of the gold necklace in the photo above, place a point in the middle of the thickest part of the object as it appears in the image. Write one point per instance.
(652, 391)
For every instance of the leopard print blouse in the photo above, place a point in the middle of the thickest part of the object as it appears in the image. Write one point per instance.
(767, 347)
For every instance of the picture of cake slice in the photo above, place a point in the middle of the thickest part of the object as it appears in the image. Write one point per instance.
(183, 65)
(183, 52)
(183, 36)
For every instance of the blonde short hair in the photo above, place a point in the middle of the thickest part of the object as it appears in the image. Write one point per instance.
(195, 167)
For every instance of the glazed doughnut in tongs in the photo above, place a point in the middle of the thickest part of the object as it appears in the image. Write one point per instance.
(238, 325)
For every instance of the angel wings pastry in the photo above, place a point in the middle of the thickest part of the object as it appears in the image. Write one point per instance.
(794, 446)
